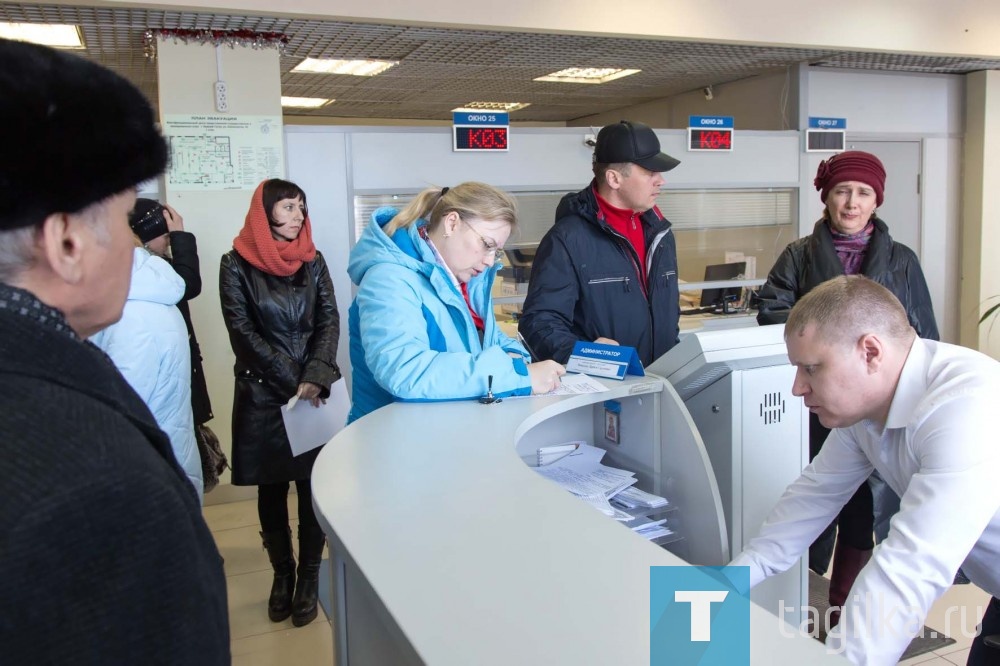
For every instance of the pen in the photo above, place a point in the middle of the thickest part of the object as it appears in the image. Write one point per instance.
(524, 343)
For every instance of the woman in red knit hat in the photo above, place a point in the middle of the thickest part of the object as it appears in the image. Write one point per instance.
(281, 313)
(849, 239)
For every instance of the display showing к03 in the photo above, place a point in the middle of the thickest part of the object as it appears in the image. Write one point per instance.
(481, 138)
(710, 139)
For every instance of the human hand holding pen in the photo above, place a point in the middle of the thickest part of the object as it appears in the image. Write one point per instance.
(545, 376)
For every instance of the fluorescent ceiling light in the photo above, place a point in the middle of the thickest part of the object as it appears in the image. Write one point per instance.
(493, 106)
(352, 67)
(305, 102)
(588, 75)
(59, 36)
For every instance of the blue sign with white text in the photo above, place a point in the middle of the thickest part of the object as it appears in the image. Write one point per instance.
(699, 616)
(816, 122)
(710, 121)
(599, 360)
(492, 118)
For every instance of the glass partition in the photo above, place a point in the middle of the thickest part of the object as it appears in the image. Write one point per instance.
(711, 225)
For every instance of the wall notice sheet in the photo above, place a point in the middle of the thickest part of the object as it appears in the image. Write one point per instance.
(223, 152)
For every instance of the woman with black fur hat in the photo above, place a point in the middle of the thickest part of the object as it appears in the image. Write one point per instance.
(281, 313)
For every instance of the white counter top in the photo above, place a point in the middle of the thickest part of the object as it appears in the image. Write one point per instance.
(476, 559)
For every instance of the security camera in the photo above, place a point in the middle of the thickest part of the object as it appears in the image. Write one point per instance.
(590, 140)
(708, 92)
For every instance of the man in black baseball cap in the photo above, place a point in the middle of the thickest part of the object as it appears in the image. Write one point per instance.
(607, 270)
(106, 555)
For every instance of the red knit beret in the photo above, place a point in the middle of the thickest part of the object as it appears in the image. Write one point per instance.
(853, 165)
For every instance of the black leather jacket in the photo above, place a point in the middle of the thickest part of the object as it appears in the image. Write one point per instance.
(284, 331)
(812, 260)
(584, 285)
(184, 259)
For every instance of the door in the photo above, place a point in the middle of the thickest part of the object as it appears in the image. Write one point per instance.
(901, 208)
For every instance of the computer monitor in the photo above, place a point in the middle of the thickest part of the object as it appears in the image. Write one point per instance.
(717, 272)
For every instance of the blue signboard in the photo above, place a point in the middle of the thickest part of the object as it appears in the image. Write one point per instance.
(600, 360)
(710, 121)
(491, 118)
(816, 122)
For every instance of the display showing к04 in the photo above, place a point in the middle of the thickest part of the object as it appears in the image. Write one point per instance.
(710, 139)
(481, 138)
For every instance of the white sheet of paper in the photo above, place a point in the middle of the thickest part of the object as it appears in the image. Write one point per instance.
(308, 427)
(573, 384)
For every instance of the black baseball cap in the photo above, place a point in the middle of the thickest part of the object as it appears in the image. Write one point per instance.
(628, 141)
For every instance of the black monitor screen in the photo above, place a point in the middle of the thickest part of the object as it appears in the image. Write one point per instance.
(717, 272)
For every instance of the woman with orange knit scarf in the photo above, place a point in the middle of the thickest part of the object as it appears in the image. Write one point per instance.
(281, 313)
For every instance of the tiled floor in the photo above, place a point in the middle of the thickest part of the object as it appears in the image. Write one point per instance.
(256, 641)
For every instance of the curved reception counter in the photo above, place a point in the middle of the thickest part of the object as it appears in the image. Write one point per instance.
(447, 548)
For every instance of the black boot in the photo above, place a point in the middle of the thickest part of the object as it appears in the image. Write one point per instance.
(279, 550)
(311, 540)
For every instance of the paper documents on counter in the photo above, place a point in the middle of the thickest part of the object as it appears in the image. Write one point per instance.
(653, 530)
(574, 384)
(604, 481)
(309, 427)
(549, 454)
(633, 498)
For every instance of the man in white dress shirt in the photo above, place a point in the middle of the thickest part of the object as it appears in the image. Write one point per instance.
(918, 411)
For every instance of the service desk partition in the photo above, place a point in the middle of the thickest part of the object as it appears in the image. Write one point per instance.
(447, 548)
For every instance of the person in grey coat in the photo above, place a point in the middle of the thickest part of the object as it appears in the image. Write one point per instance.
(106, 557)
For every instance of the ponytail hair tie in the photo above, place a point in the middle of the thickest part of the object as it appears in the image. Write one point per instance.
(444, 191)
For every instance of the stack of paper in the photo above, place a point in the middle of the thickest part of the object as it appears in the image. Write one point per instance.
(633, 498)
(547, 455)
(581, 473)
(653, 529)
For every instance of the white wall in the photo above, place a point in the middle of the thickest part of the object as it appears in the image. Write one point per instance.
(882, 102)
(981, 231)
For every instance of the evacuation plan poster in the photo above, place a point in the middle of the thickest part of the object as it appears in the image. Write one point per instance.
(223, 152)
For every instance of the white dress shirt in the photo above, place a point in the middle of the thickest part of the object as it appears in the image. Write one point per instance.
(941, 455)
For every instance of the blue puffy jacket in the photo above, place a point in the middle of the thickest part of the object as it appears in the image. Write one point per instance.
(412, 336)
(149, 346)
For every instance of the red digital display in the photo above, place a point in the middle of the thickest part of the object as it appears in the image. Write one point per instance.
(710, 139)
(481, 138)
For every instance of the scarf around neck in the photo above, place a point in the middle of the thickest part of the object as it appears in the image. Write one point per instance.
(851, 248)
(262, 251)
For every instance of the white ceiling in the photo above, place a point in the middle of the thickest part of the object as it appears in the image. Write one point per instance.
(440, 69)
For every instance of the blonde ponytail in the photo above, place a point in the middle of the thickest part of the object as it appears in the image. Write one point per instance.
(470, 200)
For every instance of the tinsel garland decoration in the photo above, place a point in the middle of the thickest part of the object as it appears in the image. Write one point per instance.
(230, 38)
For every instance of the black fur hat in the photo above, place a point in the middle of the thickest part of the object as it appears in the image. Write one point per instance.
(72, 133)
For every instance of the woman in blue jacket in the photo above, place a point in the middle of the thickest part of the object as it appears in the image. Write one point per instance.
(149, 346)
(422, 325)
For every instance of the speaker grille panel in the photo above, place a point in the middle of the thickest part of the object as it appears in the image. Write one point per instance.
(772, 408)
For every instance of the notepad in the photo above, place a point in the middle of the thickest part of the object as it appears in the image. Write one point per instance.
(547, 455)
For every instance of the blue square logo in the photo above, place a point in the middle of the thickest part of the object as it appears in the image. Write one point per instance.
(699, 616)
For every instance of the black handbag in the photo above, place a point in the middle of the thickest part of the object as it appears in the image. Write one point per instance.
(213, 460)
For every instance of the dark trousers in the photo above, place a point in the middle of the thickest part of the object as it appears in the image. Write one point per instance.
(854, 524)
(272, 505)
(982, 654)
